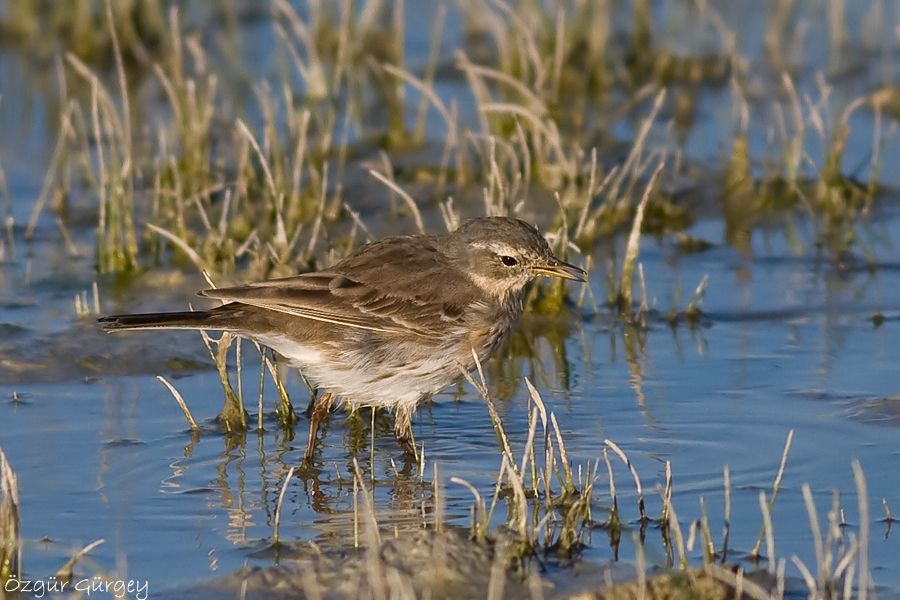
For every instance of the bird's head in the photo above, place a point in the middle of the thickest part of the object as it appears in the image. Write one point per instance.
(502, 254)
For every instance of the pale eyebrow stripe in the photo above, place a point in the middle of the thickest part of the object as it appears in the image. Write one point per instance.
(495, 247)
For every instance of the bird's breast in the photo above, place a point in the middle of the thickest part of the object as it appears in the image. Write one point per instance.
(493, 326)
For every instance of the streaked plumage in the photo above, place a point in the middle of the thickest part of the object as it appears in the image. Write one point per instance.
(394, 322)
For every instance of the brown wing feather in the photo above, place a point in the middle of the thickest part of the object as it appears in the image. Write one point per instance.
(388, 286)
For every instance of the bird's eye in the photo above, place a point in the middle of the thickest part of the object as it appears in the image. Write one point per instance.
(509, 261)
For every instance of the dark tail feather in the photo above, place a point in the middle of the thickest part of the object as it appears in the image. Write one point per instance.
(169, 320)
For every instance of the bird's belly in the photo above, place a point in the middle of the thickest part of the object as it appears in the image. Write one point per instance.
(387, 375)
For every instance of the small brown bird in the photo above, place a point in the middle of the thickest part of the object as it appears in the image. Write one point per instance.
(391, 324)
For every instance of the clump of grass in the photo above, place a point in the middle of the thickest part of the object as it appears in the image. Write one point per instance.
(85, 307)
(544, 516)
(10, 543)
(233, 416)
(552, 505)
(549, 505)
(835, 201)
(80, 26)
(257, 197)
(706, 583)
(113, 166)
(648, 61)
(281, 188)
(693, 312)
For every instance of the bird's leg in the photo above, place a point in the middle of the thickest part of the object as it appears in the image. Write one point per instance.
(319, 411)
(403, 430)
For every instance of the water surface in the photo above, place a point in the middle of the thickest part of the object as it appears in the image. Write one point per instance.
(786, 342)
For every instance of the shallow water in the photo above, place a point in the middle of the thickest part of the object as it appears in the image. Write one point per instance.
(787, 342)
(781, 348)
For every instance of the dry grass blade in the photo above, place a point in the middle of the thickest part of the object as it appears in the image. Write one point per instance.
(427, 91)
(481, 387)
(56, 161)
(667, 494)
(807, 576)
(437, 32)
(628, 168)
(181, 244)
(634, 475)
(276, 533)
(355, 512)
(538, 402)
(888, 515)
(372, 523)
(10, 548)
(675, 526)
(181, 403)
(640, 565)
(765, 509)
(540, 411)
(563, 457)
(862, 496)
(631, 250)
(614, 501)
(521, 89)
(417, 216)
(816, 530)
(592, 193)
(709, 550)
(846, 565)
(726, 519)
(267, 171)
(776, 485)
(742, 586)
(520, 518)
(65, 572)
(479, 524)
(284, 411)
(497, 581)
(528, 455)
(692, 312)
(123, 82)
(520, 111)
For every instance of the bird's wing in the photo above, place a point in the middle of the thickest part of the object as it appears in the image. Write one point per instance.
(389, 286)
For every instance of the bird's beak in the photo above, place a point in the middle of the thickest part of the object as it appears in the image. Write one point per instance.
(563, 270)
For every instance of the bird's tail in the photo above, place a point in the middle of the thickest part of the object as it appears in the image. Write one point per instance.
(167, 320)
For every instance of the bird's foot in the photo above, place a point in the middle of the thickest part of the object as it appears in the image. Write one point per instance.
(320, 409)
